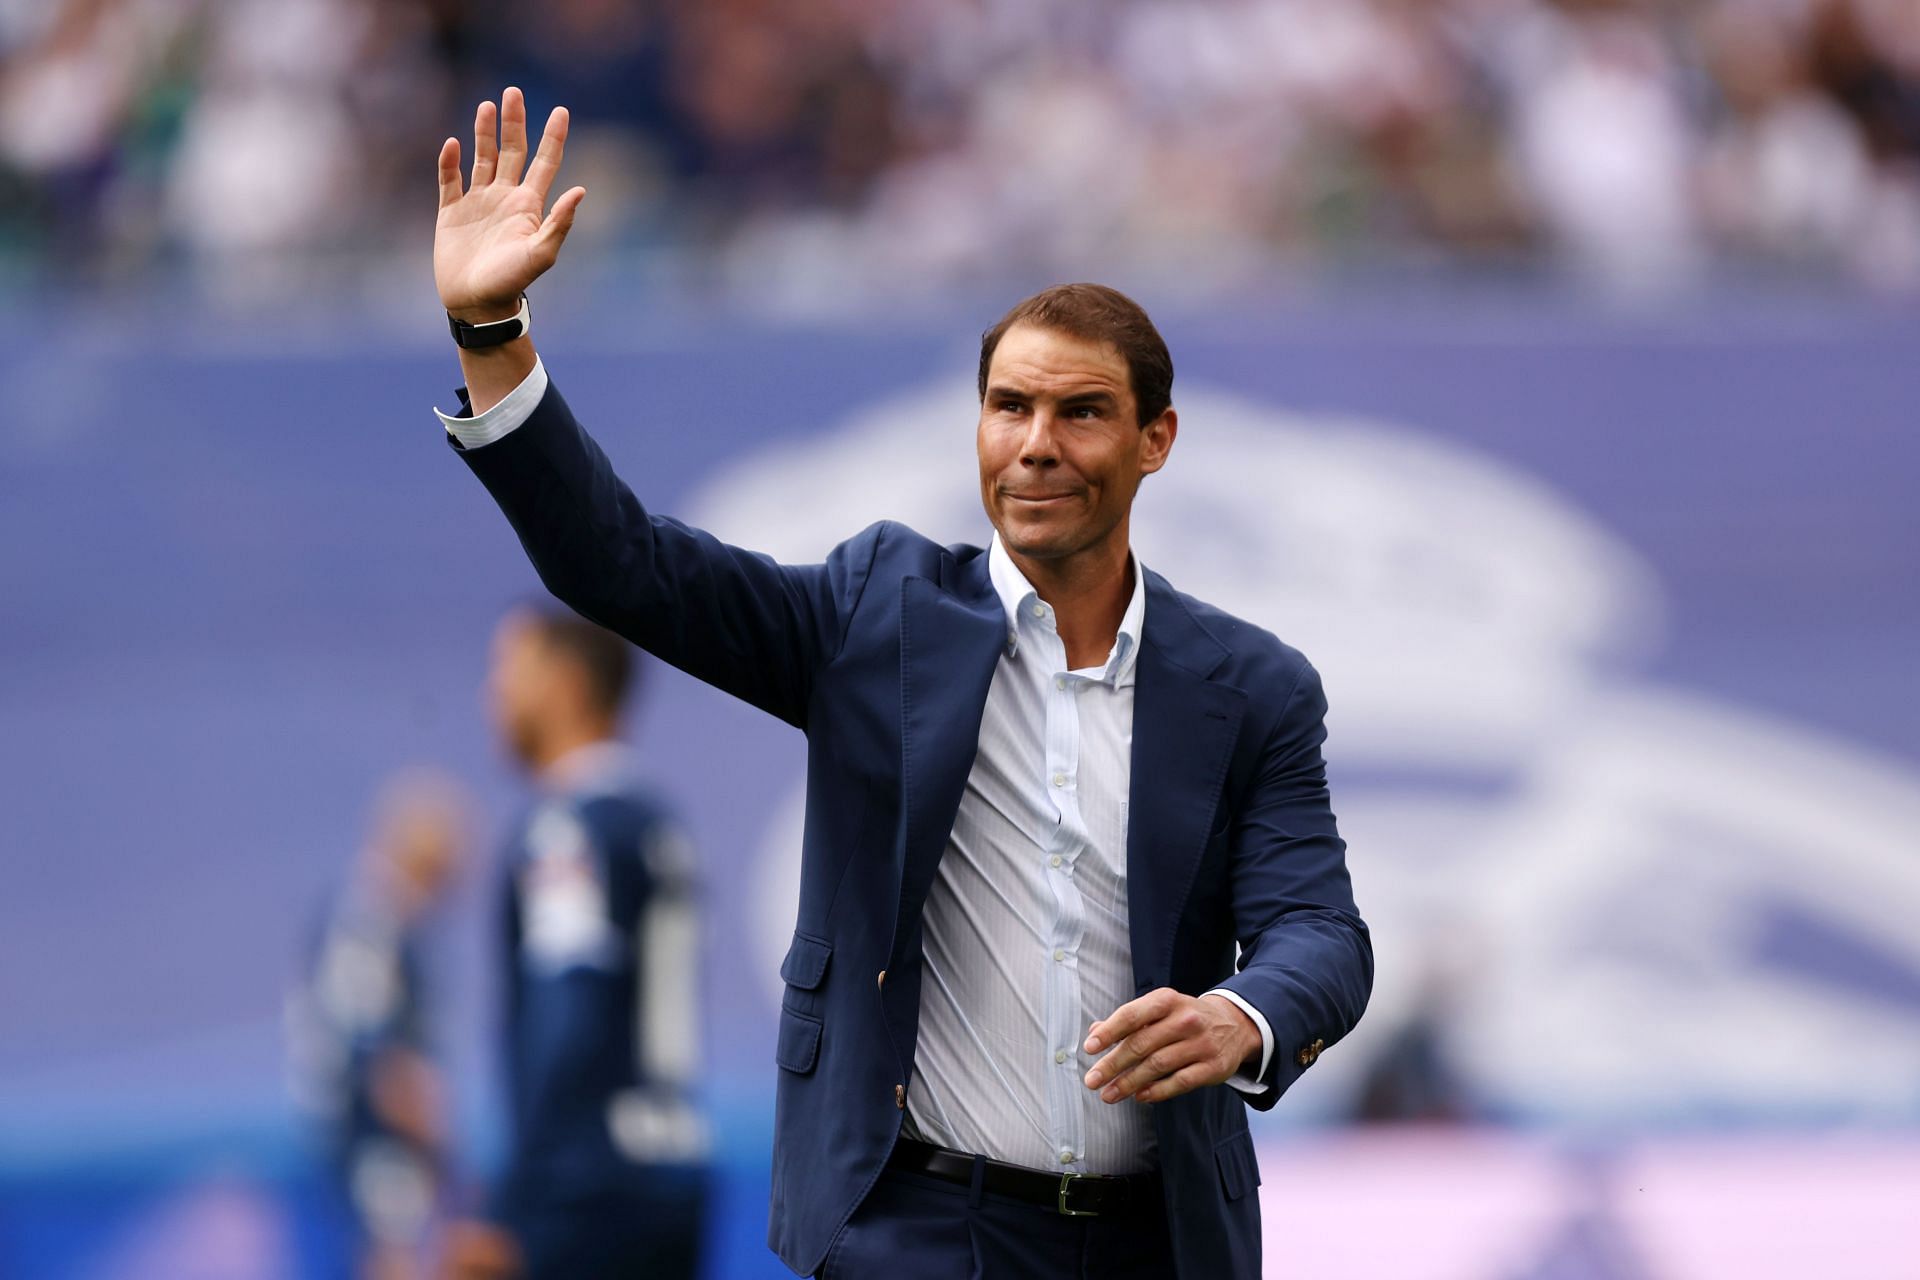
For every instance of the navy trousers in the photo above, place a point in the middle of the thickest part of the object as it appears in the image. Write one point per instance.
(914, 1225)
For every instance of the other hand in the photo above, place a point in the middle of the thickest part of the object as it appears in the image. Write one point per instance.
(490, 241)
(1166, 1043)
(480, 1251)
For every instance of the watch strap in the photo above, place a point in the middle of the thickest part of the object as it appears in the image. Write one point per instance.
(492, 334)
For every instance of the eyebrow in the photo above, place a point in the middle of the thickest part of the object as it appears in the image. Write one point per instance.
(1067, 401)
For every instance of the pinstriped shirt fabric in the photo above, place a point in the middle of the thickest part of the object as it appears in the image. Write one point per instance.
(1025, 925)
(1025, 938)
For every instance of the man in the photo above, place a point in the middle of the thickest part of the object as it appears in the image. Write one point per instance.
(606, 1171)
(1046, 796)
(361, 1060)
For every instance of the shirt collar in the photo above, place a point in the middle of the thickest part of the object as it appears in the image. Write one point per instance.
(1018, 597)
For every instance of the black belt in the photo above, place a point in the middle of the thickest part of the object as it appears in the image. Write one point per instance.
(1075, 1195)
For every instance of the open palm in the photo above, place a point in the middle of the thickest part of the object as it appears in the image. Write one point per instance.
(491, 241)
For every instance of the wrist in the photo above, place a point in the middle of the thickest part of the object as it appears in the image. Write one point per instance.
(518, 350)
(486, 312)
(496, 333)
(1252, 1044)
(1247, 1033)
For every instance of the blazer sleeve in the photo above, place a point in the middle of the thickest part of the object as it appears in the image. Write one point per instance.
(1306, 961)
(735, 619)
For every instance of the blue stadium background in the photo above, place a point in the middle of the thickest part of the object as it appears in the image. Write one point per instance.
(245, 579)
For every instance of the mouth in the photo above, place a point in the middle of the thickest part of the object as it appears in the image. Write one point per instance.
(1041, 499)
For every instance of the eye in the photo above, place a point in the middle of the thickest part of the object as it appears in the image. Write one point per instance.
(1086, 412)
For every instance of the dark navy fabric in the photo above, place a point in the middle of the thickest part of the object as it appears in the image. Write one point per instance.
(361, 1009)
(651, 1231)
(914, 1225)
(883, 655)
(344, 1092)
(576, 1044)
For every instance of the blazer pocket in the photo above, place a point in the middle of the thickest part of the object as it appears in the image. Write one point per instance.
(1239, 1170)
(799, 1043)
(804, 969)
(806, 964)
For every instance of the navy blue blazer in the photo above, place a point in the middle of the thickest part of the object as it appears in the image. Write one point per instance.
(883, 655)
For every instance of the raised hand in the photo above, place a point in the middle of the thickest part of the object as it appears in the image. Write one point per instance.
(491, 241)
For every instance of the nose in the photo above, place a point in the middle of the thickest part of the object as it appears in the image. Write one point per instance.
(1038, 448)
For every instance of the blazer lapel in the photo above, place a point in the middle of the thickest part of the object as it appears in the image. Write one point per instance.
(1184, 728)
(951, 636)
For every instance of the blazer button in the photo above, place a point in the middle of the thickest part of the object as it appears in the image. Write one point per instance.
(1310, 1054)
(900, 1096)
(882, 979)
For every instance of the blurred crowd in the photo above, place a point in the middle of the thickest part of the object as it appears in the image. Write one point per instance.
(825, 145)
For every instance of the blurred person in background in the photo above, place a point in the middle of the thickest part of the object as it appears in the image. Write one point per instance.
(362, 1060)
(606, 1173)
(1412, 1076)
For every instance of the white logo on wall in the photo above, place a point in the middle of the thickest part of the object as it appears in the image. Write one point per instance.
(1617, 899)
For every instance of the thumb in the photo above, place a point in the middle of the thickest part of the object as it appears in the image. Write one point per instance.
(560, 220)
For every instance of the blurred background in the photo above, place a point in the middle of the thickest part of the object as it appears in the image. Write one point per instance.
(1548, 374)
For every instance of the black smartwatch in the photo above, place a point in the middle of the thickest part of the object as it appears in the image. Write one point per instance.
(473, 336)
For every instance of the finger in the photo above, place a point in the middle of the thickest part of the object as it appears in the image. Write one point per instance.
(449, 171)
(1185, 1080)
(1129, 1051)
(1162, 1062)
(553, 232)
(546, 161)
(1149, 1039)
(485, 146)
(513, 136)
(1129, 1017)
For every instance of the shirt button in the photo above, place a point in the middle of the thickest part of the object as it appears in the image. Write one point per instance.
(1039, 610)
(1059, 779)
(1054, 861)
(1059, 1055)
(1059, 682)
(1059, 954)
(1066, 1156)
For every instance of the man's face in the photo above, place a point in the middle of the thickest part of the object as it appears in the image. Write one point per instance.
(1061, 449)
(419, 843)
(520, 686)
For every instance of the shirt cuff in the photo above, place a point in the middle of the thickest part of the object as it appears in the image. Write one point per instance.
(503, 418)
(1251, 1081)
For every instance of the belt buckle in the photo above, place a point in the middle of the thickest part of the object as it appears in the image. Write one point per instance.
(1066, 1185)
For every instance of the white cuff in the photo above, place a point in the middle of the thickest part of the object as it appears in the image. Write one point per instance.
(503, 418)
(1251, 1081)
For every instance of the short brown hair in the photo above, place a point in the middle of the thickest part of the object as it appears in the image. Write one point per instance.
(601, 656)
(1098, 314)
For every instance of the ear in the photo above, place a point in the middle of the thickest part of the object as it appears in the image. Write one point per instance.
(1156, 441)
